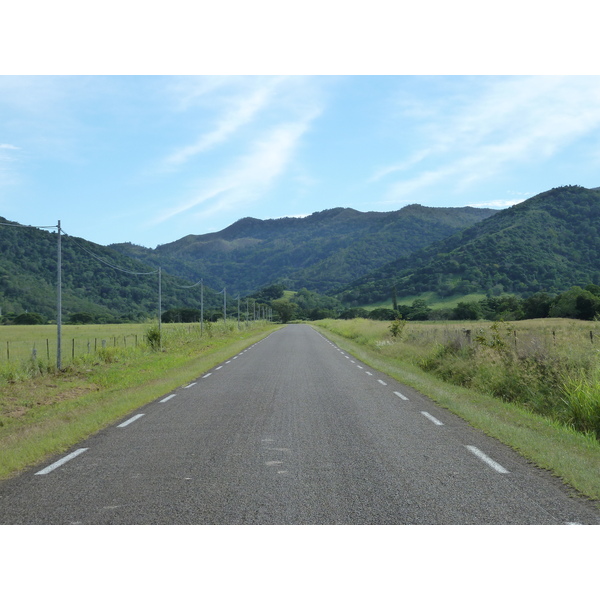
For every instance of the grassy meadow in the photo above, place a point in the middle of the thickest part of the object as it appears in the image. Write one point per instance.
(433, 300)
(17, 342)
(534, 385)
(44, 411)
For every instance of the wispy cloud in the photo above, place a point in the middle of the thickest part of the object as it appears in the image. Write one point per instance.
(249, 176)
(499, 204)
(239, 110)
(7, 160)
(506, 122)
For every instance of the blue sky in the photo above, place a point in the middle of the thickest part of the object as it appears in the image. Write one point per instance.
(150, 159)
(370, 110)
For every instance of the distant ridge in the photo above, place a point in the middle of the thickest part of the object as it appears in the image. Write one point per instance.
(321, 252)
(549, 242)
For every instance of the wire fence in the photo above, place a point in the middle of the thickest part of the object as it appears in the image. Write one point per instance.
(72, 347)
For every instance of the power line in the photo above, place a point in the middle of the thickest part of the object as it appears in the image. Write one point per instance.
(72, 239)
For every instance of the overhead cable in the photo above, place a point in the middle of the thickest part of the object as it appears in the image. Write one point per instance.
(106, 262)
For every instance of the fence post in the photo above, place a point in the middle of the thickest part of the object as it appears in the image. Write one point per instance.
(592, 337)
(468, 336)
(73, 348)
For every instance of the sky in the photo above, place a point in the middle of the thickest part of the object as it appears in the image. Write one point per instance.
(193, 123)
(150, 159)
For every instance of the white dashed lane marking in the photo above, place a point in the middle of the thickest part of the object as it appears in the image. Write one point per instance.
(168, 398)
(129, 421)
(431, 418)
(60, 462)
(486, 459)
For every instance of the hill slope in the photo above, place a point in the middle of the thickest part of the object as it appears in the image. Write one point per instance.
(547, 243)
(28, 274)
(320, 252)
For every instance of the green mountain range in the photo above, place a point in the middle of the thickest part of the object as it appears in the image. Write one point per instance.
(324, 250)
(547, 243)
(96, 280)
(321, 252)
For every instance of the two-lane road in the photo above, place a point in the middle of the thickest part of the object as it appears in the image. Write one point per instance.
(291, 431)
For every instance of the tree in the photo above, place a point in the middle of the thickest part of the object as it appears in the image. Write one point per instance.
(419, 311)
(537, 306)
(575, 303)
(29, 319)
(81, 318)
(467, 311)
(285, 309)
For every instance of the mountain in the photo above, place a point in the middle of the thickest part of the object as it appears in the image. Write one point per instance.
(28, 277)
(549, 242)
(321, 252)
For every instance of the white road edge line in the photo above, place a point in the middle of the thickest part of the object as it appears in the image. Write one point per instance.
(382, 382)
(486, 459)
(203, 377)
(401, 396)
(168, 398)
(60, 462)
(431, 418)
(131, 420)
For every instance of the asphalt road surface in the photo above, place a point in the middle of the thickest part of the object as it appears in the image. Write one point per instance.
(291, 431)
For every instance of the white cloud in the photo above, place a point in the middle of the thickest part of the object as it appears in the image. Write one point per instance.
(251, 175)
(240, 110)
(504, 122)
(499, 204)
(8, 147)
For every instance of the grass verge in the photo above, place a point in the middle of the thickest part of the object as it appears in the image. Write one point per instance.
(47, 414)
(572, 456)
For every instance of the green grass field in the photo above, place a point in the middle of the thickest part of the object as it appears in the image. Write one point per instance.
(433, 301)
(17, 342)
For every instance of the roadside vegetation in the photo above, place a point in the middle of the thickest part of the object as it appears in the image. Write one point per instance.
(44, 411)
(534, 385)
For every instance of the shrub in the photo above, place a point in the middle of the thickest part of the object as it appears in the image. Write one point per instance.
(153, 337)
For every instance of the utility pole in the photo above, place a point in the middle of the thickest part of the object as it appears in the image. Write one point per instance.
(59, 302)
(201, 306)
(159, 308)
(225, 305)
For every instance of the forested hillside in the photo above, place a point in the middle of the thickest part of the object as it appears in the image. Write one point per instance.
(547, 243)
(28, 276)
(320, 252)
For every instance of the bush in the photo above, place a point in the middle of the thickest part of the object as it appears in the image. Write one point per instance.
(29, 319)
(153, 337)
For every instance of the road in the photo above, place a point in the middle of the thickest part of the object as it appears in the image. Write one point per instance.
(291, 431)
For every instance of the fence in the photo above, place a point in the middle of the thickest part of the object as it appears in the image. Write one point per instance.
(72, 347)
